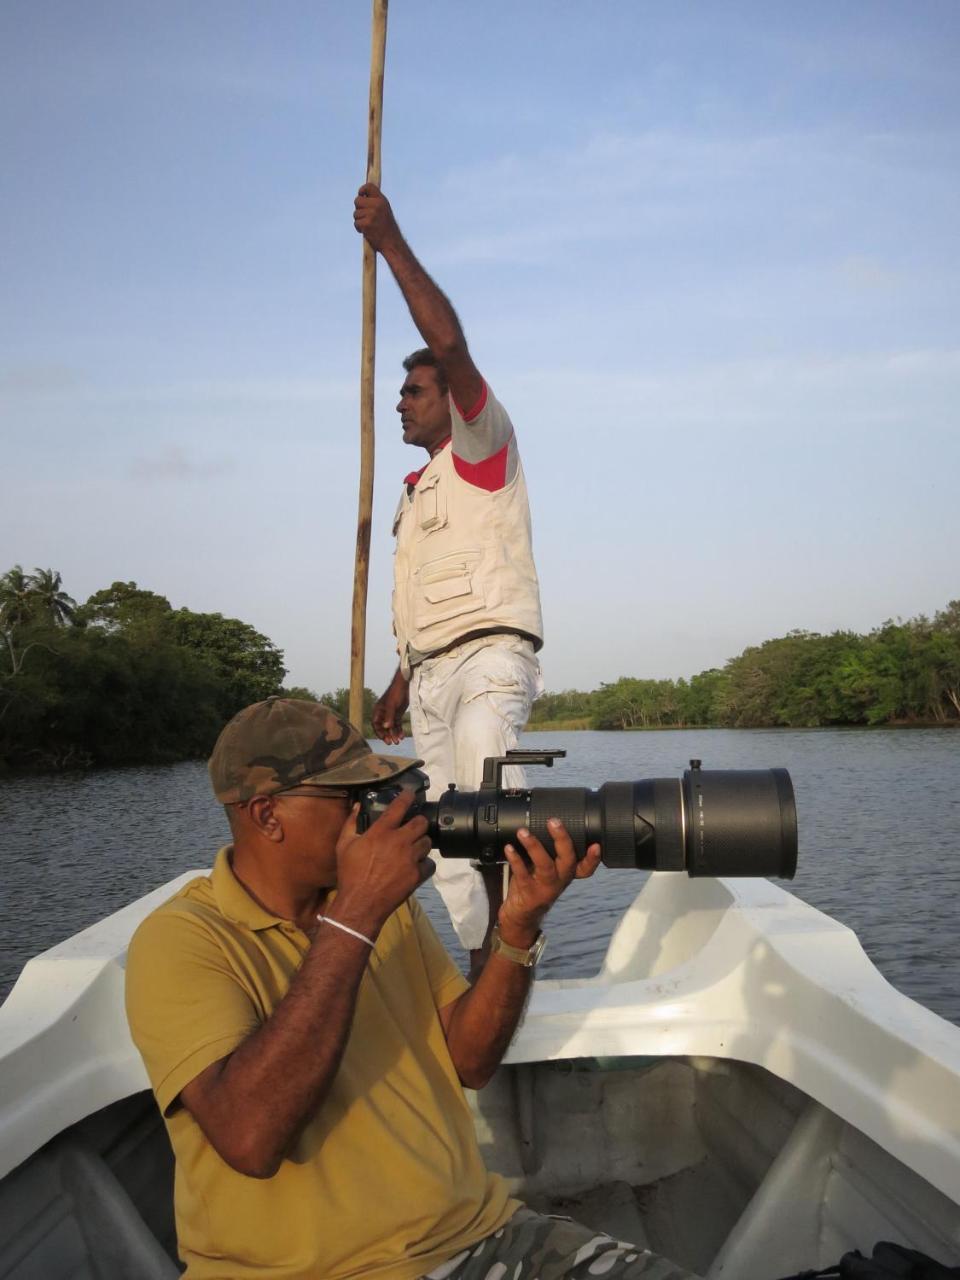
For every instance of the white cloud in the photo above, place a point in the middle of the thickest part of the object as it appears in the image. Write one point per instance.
(621, 187)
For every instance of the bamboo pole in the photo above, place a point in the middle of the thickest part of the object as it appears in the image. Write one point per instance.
(358, 631)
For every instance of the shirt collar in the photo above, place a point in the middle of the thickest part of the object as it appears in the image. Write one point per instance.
(414, 476)
(232, 898)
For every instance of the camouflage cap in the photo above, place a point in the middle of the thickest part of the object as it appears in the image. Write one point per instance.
(287, 742)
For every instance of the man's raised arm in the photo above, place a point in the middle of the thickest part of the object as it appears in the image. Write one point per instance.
(429, 306)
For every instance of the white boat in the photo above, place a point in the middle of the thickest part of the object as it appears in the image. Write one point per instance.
(738, 1088)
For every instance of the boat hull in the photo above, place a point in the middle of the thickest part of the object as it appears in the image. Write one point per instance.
(737, 1088)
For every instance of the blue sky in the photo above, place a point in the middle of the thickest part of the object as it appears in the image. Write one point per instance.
(706, 254)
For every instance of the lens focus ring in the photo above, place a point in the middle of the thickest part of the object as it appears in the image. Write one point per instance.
(618, 835)
(566, 803)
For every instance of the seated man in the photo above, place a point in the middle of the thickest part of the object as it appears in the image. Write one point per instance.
(308, 1038)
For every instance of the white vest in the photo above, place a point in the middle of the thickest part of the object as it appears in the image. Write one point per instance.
(463, 562)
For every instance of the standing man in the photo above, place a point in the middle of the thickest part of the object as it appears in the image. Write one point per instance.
(466, 601)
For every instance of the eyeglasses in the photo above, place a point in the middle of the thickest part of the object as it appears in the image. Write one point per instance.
(321, 793)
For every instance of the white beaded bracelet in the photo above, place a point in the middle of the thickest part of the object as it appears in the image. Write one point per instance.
(354, 933)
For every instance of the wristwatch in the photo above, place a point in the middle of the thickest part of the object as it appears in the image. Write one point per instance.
(519, 955)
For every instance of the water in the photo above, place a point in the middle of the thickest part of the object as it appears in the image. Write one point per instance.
(879, 814)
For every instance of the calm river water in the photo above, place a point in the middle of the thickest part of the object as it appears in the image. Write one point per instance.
(879, 814)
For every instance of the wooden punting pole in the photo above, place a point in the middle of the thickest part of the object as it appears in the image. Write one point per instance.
(358, 631)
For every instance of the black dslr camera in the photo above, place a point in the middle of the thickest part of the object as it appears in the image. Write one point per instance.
(710, 822)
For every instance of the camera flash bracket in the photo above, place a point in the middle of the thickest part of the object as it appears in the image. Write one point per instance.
(494, 766)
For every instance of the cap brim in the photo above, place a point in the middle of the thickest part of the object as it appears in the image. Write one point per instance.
(368, 768)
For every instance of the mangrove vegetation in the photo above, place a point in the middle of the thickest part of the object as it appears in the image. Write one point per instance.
(900, 673)
(125, 678)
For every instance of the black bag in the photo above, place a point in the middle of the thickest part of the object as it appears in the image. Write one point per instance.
(889, 1262)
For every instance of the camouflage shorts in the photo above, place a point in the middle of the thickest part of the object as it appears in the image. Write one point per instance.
(532, 1246)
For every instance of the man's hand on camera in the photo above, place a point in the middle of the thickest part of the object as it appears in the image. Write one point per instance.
(379, 870)
(388, 711)
(538, 880)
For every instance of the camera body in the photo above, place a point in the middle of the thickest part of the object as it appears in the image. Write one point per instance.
(374, 800)
(732, 822)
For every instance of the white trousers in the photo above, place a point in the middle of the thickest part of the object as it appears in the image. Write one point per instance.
(465, 705)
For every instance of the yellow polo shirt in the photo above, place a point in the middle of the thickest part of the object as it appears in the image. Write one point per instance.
(386, 1180)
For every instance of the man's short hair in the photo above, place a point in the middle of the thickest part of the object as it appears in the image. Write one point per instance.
(426, 356)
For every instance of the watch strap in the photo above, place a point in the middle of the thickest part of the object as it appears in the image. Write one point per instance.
(526, 956)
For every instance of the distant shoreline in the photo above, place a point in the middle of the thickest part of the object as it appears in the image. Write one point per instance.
(126, 679)
(571, 726)
(547, 726)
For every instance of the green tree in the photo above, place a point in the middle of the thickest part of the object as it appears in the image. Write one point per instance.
(931, 667)
(339, 700)
(15, 603)
(121, 701)
(34, 599)
(134, 682)
(50, 602)
(810, 691)
(772, 683)
(248, 666)
(301, 693)
(32, 609)
(892, 678)
(945, 659)
(701, 699)
(123, 606)
(629, 703)
(569, 704)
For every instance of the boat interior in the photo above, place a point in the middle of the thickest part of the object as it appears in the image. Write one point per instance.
(716, 1164)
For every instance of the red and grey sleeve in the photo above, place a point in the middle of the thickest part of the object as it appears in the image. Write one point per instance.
(484, 445)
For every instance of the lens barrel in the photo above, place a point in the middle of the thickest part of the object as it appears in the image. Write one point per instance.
(720, 822)
(740, 822)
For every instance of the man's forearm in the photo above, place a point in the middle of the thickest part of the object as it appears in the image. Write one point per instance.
(480, 1024)
(389, 709)
(267, 1090)
(485, 1019)
(400, 686)
(429, 306)
(431, 309)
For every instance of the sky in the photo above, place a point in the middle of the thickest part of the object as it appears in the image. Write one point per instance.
(705, 254)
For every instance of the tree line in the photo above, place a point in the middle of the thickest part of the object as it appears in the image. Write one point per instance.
(901, 672)
(125, 678)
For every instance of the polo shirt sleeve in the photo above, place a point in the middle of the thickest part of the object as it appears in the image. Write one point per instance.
(446, 980)
(483, 443)
(185, 1007)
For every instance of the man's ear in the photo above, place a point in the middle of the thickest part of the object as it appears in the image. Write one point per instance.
(264, 818)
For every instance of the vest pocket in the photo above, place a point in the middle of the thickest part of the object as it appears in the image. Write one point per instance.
(447, 588)
(430, 502)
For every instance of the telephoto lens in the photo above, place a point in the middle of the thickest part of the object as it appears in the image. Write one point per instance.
(710, 822)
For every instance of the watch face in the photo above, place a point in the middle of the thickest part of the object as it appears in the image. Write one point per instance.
(536, 951)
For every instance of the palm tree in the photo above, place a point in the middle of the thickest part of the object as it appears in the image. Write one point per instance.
(50, 600)
(25, 597)
(16, 588)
